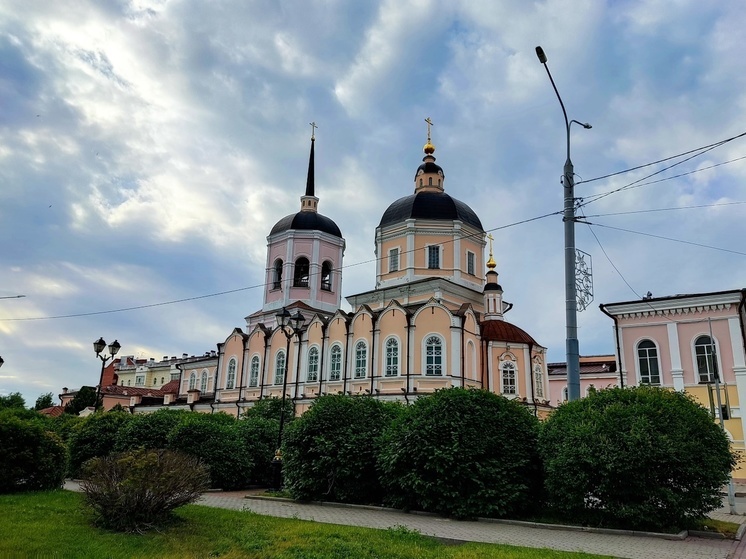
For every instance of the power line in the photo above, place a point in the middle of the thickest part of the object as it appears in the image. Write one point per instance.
(665, 209)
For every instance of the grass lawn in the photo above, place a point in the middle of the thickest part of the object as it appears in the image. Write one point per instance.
(55, 524)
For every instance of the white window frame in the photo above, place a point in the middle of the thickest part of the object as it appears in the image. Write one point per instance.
(361, 359)
(428, 249)
(335, 365)
(538, 381)
(505, 378)
(140, 380)
(654, 359)
(715, 358)
(203, 381)
(393, 259)
(391, 360)
(433, 369)
(312, 372)
(192, 380)
(471, 263)
(280, 370)
(254, 371)
(230, 377)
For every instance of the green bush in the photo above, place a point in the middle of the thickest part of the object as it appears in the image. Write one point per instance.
(639, 458)
(138, 490)
(31, 458)
(271, 408)
(330, 452)
(220, 447)
(84, 398)
(259, 437)
(463, 453)
(95, 436)
(149, 430)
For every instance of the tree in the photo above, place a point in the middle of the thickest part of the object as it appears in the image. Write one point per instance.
(95, 436)
(12, 400)
(463, 453)
(640, 458)
(44, 401)
(271, 408)
(330, 452)
(85, 397)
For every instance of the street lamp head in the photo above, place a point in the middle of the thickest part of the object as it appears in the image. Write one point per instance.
(298, 321)
(1, 361)
(283, 317)
(99, 345)
(541, 55)
(114, 348)
(586, 126)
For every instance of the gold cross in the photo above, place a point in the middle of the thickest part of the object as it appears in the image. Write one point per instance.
(491, 238)
(313, 130)
(429, 124)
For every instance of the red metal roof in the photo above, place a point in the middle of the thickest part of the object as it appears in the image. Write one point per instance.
(501, 331)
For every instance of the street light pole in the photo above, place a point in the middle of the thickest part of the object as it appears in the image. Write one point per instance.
(568, 217)
(290, 326)
(98, 347)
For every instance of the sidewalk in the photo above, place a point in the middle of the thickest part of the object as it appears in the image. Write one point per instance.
(632, 547)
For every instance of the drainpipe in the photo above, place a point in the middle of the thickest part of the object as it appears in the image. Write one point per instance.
(297, 365)
(321, 357)
(372, 353)
(240, 378)
(531, 378)
(264, 365)
(463, 348)
(741, 308)
(618, 345)
(344, 363)
(409, 372)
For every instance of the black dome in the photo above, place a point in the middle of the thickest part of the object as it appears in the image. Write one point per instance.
(429, 205)
(429, 167)
(306, 221)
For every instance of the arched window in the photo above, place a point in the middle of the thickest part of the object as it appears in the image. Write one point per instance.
(277, 280)
(361, 359)
(300, 279)
(538, 381)
(647, 359)
(564, 394)
(392, 357)
(313, 365)
(192, 380)
(155, 381)
(254, 372)
(162, 378)
(280, 367)
(707, 359)
(230, 381)
(203, 384)
(433, 356)
(508, 377)
(335, 372)
(326, 276)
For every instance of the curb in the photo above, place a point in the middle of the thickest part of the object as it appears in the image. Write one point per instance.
(566, 527)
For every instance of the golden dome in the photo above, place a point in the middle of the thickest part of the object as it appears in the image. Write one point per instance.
(429, 148)
(491, 264)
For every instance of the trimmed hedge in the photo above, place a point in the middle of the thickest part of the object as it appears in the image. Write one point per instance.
(463, 453)
(643, 457)
(330, 452)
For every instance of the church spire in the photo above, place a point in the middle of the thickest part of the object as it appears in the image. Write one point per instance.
(493, 292)
(309, 202)
(429, 176)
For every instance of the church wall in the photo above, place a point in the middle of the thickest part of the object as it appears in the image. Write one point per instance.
(392, 324)
(432, 320)
(273, 381)
(361, 331)
(255, 349)
(233, 348)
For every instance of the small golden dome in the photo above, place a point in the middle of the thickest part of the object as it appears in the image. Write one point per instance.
(429, 148)
(491, 264)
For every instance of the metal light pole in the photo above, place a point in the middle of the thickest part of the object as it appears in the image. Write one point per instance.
(290, 326)
(98, 347)
(571, 309)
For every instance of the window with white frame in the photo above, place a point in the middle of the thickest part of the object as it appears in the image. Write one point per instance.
(507, 368)
(394, 260)
(230, 380)
(433, 356)
(254, 371)
(192, 381)
(433, 257)
(470, 265)
(361, 359)
(203, 383)
(392, 357)
(647, 359)
(707, 360)
(140, 380)
(565, 394)
(538, 381)
(335, 362)
(313, 365)
(280, 367)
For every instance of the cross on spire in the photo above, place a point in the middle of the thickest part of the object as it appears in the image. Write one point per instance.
(313, 130)
(429, 124)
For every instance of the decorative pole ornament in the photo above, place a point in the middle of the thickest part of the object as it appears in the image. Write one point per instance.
(313, 129)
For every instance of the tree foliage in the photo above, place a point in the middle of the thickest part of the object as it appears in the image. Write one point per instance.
(44, 401)
(644, 457)
(330, 452)
(271, 408)
(84, 398)
(136, 491)
(31, 458)
(95, 436)
(259, 437)
(149, 430)
(217, 443)
(12, 400)
(463, 453)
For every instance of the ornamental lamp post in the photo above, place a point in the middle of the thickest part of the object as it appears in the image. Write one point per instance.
(290, 325)
(98, 347)
(571, 309)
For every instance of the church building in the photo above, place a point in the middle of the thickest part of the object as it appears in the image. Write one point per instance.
(435, 319)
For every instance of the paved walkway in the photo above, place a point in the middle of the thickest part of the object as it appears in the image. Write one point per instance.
(614, 545)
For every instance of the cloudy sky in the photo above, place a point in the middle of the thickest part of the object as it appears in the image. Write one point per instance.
(147, 148)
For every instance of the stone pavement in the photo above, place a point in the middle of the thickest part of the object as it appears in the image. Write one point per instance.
(614, 545)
